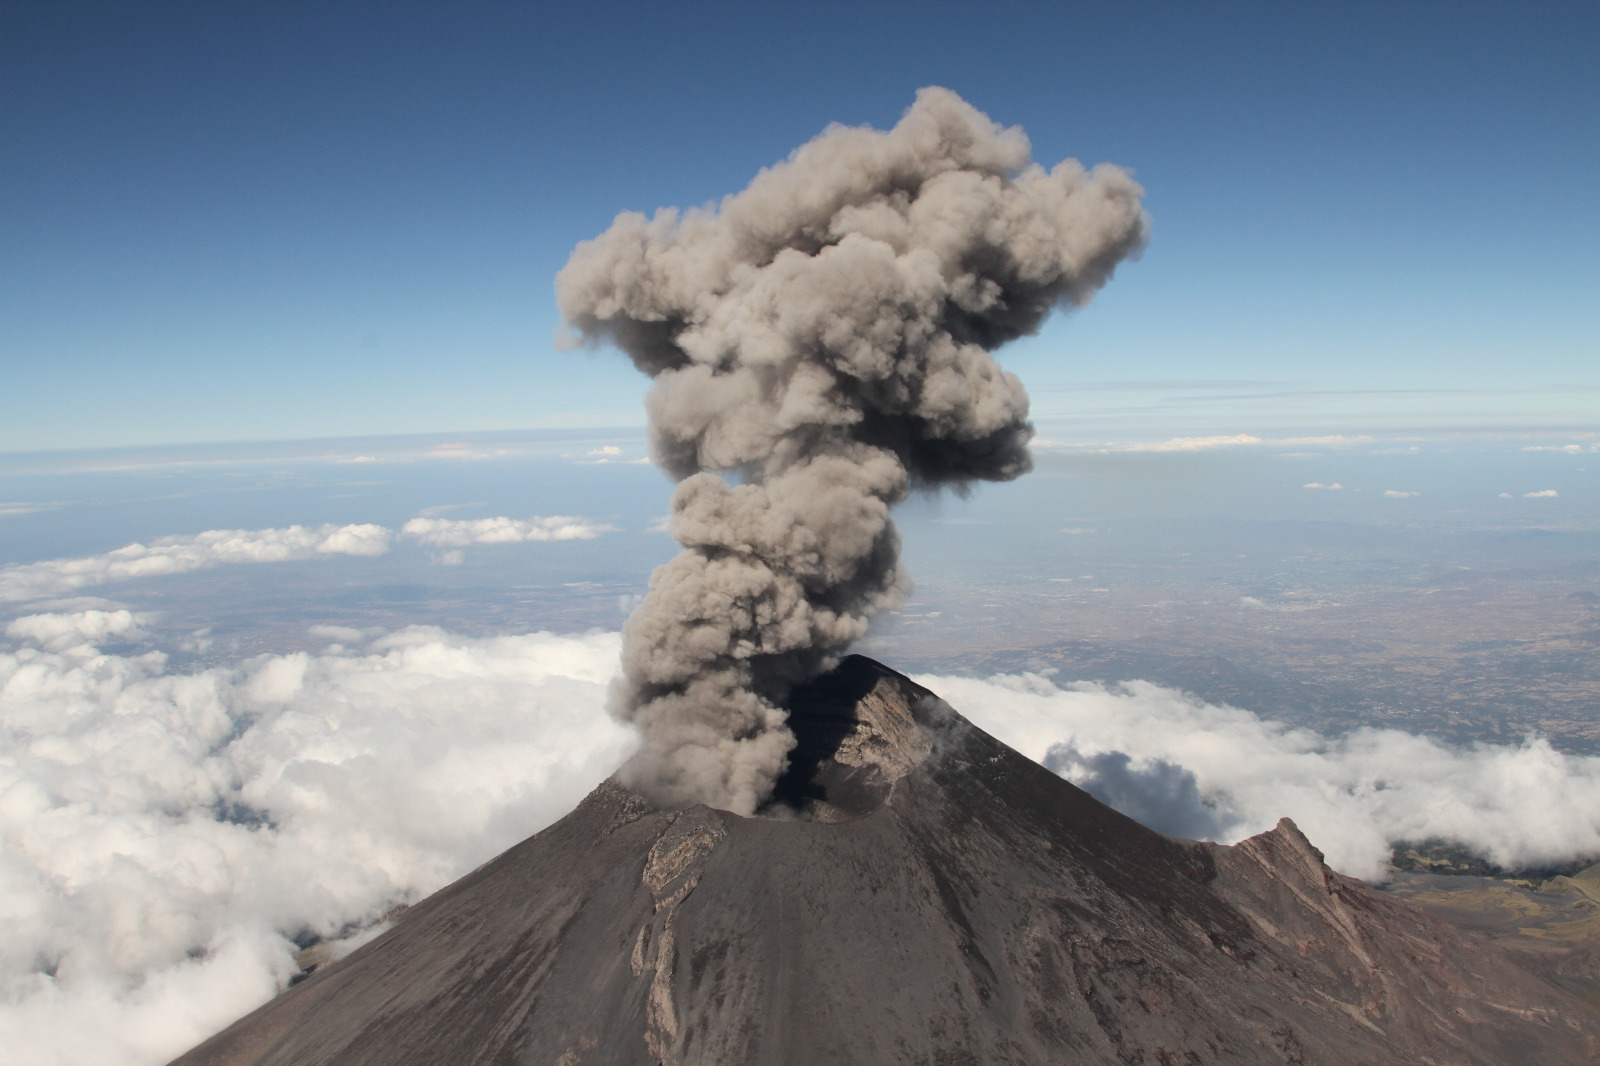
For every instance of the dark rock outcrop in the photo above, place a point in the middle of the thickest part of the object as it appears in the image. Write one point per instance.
(917, 893)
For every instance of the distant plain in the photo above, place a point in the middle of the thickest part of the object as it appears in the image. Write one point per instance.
(1466, 609)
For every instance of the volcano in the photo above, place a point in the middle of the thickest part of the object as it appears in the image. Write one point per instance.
(915, 892)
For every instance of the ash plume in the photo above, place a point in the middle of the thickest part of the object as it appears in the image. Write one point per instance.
(823, 339)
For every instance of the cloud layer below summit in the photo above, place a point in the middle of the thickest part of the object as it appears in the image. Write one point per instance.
(166, 833)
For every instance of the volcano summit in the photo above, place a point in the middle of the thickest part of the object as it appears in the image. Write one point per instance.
(915, 892)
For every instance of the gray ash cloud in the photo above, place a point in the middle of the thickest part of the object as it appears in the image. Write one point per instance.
(820, 346)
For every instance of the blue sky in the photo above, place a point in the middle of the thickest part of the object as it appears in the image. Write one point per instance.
(271, 221)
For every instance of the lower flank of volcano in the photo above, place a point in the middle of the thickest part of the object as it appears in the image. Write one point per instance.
(916, 892)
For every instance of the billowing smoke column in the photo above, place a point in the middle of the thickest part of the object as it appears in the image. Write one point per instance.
(823, 337)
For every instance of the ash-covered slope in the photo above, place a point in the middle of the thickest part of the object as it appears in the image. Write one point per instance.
(921, 894)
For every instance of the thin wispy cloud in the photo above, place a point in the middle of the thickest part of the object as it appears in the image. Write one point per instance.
(1194, 444)
(1210, 442)
(1400, 494)
(457, 449)
(1333, 439)
(1335, 487)
(1367, 394)
(446, 508)
(22, 507)
(1173, 385)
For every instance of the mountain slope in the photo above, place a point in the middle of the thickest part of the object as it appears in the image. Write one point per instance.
(919, 893)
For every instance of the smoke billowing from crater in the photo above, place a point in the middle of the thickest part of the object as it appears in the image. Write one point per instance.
(823, 336)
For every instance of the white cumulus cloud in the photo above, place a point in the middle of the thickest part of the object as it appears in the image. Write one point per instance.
(1542, 494)
(58, 632)
(166, 834)
(1335, 487)
(217, 547)
(1400, 494)
(457, 533)
(180, 554)
(1353, 795)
